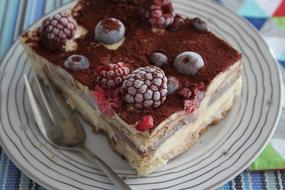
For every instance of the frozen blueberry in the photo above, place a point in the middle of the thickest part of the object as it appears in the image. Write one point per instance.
(172, 85)
(77, 62)
(158, 59)
(200, 25)
(109, 31)
(188, 63)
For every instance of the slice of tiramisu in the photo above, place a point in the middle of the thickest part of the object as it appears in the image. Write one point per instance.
(150, 79)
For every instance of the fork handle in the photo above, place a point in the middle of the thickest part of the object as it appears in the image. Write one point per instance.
(106, 169)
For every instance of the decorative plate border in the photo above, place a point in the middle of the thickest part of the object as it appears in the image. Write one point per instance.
(261, 106)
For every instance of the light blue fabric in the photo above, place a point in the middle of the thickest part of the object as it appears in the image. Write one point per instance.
(17, 15)
(251, 8)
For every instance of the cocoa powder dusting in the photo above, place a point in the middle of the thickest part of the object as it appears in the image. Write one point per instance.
(110, 24)
(139, 44)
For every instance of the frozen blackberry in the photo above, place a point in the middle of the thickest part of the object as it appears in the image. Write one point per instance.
(112, 75)
(56, 30)
(145, 87)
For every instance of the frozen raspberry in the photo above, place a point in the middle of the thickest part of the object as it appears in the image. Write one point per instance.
(145, 124)
(145, 87)
(158, 59)
(159, 13)
(57, 30)
(201, 86)
(200, 25)
(198, 90)
(112, 75)
(193, 91)
(185, 93)
(107, 100)
(188, 63)
(77, 62)
(193, 96)
(172, 85)
(191, 105)
(109, 31)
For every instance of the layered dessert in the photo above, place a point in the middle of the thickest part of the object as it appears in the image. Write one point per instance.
(137, 71)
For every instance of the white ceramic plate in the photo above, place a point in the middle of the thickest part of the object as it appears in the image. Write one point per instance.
(221, 154)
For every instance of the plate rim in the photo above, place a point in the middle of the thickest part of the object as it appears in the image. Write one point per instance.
(230, 177)
(282, 99)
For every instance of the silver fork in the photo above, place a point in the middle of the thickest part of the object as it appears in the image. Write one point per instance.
(61, 127)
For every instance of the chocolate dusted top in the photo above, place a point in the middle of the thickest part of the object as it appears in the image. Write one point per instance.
(110, 24)
(140, 42)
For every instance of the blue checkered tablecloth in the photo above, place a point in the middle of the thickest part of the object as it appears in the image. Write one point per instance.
(267, 16)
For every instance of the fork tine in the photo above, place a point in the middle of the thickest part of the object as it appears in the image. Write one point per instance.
(44, 98)
(53, 94)
(37, 112)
